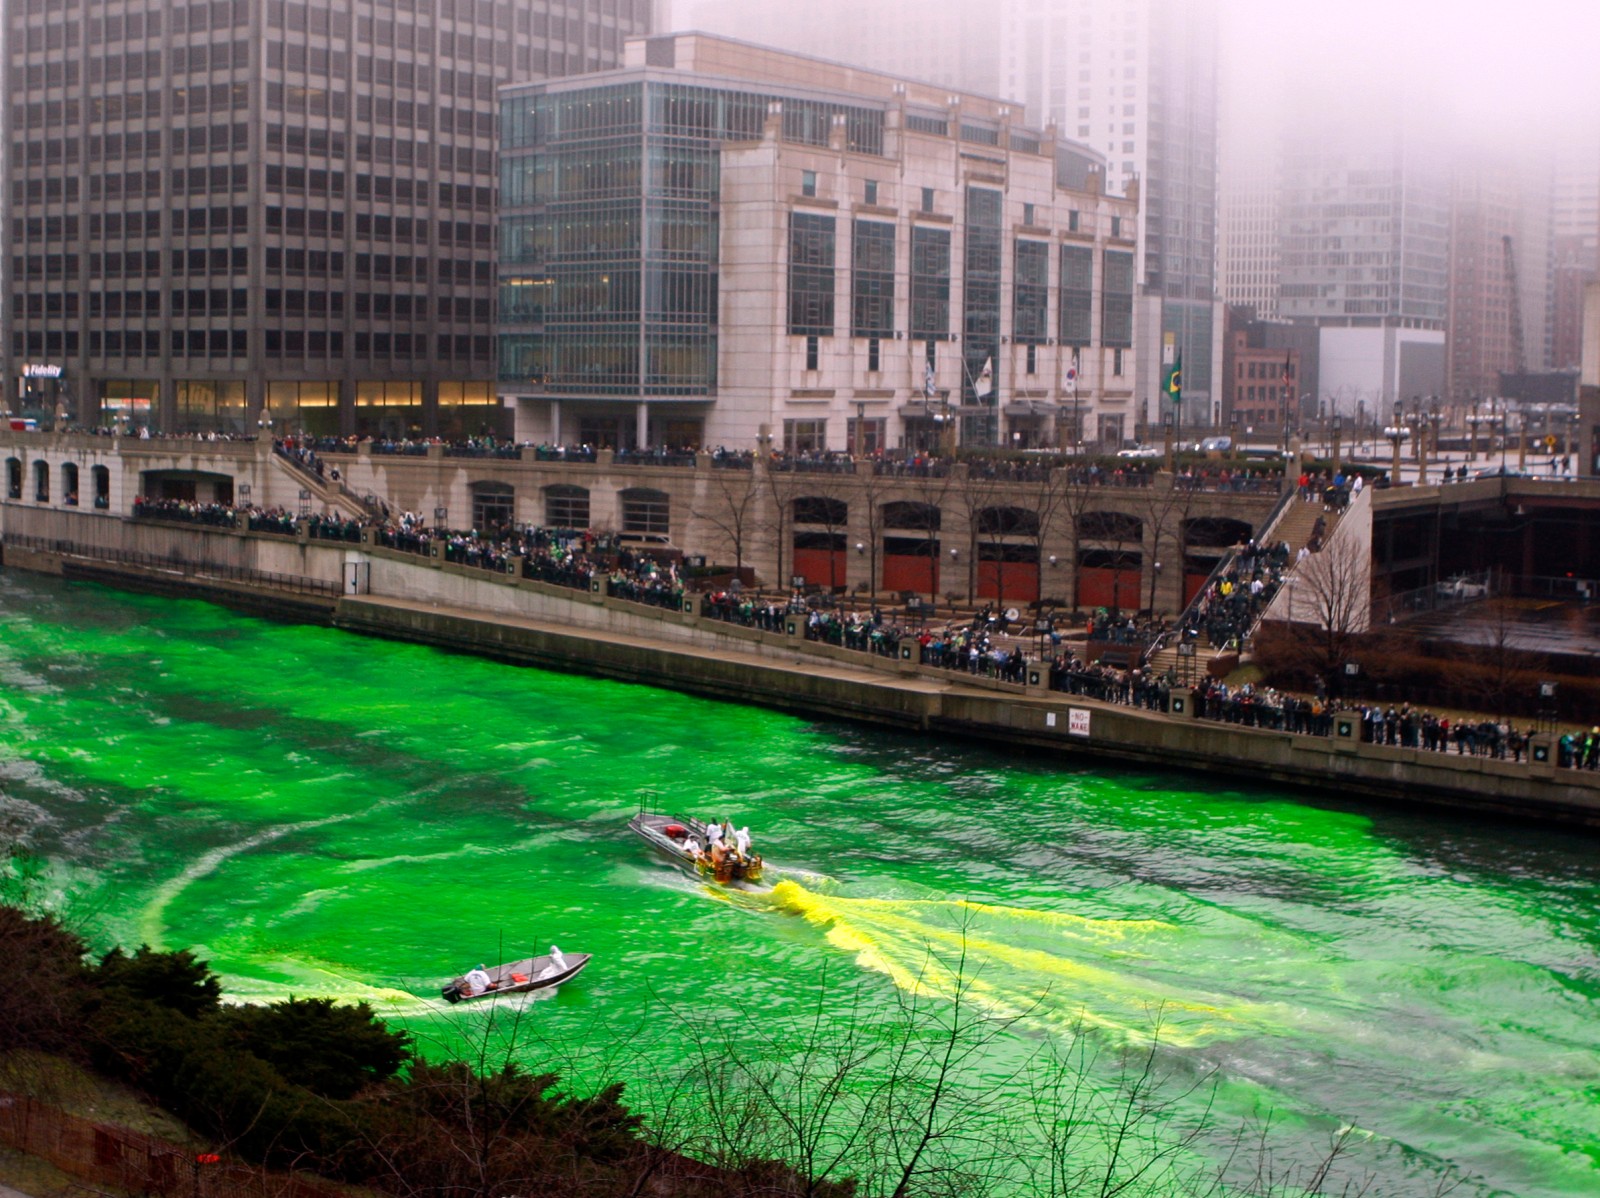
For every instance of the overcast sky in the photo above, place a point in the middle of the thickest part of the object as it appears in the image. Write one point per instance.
(1514, 69)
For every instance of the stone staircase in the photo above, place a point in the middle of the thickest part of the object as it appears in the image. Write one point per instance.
(1294, 526)
(333, 496)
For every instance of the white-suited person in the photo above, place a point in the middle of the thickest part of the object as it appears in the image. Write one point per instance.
(477, 980)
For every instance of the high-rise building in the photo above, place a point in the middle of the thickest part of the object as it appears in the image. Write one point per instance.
(725, 244)
(250, 210)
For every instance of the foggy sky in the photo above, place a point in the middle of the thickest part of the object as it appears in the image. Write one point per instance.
(1514, 71)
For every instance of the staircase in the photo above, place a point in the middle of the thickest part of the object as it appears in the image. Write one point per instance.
(1292, 523)
(335, 496)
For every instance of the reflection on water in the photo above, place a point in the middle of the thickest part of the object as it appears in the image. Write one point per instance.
(319, 813)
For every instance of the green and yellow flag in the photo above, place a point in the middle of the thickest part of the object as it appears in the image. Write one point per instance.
(1172, 382)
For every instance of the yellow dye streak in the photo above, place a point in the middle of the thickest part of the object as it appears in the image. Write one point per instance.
(918, 943)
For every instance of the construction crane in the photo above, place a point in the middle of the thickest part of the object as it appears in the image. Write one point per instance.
(1518, 353)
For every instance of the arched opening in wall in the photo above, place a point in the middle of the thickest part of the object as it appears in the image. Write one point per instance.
(102, 486)
(1108, 575)
(41, 481)
(1008, 554)
(494, 505)
(911, 547)
(13, 478)
(69, 484)
(566, 506)
(1206, 541)
(819, 541)
(646, 513)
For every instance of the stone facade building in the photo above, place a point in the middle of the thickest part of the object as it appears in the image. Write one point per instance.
(722, 244)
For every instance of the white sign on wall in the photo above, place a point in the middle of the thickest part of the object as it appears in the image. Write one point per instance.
(1077, 721)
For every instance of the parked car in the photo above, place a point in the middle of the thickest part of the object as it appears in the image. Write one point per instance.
(1214, 444)
(1500, 472)
(1139, 451)
(1462, 587)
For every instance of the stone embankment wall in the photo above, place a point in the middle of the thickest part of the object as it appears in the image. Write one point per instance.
(429, 601)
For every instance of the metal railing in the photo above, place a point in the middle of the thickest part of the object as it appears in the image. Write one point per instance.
(174, 564)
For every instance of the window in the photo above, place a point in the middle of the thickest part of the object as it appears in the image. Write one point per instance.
(813, 353)
(1033, 359)
(1116, 226)
(1072, 220)
(872, 191)
(872, 286)
(808, 183)
(811, 253)
(1030, 297)
(865, 436)
(493, 504)
(1116, 304)
(1116, 362)
(930, 283)
(646, 511)
(874, 357)
(805, 436)
(1027, 214)
(566, 507)
(927, 199)
(1077, 294)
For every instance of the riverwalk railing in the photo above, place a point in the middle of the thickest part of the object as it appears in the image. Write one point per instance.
(170, 564)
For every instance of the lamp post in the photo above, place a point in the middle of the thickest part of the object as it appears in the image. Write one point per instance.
(1337, 428)
(1472, 425)
(1397, 434)
(1421, 430)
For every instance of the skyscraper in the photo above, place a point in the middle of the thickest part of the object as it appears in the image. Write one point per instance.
(272, 210)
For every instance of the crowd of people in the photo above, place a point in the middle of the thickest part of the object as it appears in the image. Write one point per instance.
(1228, 606)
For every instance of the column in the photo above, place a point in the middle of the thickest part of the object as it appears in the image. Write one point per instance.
(641, 418)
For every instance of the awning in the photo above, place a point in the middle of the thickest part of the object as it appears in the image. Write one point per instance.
(921, 410)
(1028, 408)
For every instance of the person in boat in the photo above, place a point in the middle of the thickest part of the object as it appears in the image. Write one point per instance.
(693, 849)
(558, 964)
(741, 841)
(477, 981)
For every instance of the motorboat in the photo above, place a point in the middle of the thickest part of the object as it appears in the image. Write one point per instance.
(689, 844)
(519, 977)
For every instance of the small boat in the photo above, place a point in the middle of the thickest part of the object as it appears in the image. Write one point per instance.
(684, 841)
(520, 977)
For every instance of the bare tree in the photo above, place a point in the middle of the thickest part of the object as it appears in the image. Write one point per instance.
(1328, 605)
(732, 506)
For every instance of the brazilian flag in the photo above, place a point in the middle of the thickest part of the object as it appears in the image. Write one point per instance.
(1172, 382)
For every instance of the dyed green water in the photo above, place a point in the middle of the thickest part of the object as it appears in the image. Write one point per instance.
(322, 814)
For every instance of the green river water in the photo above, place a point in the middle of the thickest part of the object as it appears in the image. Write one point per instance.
(319, 813)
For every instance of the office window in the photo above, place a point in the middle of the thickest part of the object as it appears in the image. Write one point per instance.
(1033, 359)
(808, 183)
(813, 353)
(872, 284)
(872, 191)
(1030, 297)
(1027, 214)
(930, 283)
(927, 199)
(1116, 302)
(811, 281)
(874, 355)
(1077, 295)
(805, 436)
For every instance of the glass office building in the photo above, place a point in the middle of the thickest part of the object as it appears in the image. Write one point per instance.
(231, 212)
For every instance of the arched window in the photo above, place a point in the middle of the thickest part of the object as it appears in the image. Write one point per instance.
(1008, 522)
(69, 484)
(13, 478)
(41, 481)
(1110, 526)
(820, 509)
(566, 506)
(924, 517)
(102, 486)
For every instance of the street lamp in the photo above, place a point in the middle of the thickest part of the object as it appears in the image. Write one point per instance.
(1337, 426)
(1396, 434)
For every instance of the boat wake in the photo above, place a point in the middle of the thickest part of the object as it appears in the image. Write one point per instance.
(1050, 968)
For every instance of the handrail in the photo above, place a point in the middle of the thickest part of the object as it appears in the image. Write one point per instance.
(1218, 570)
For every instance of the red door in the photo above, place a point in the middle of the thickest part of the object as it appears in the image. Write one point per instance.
(821, 567)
